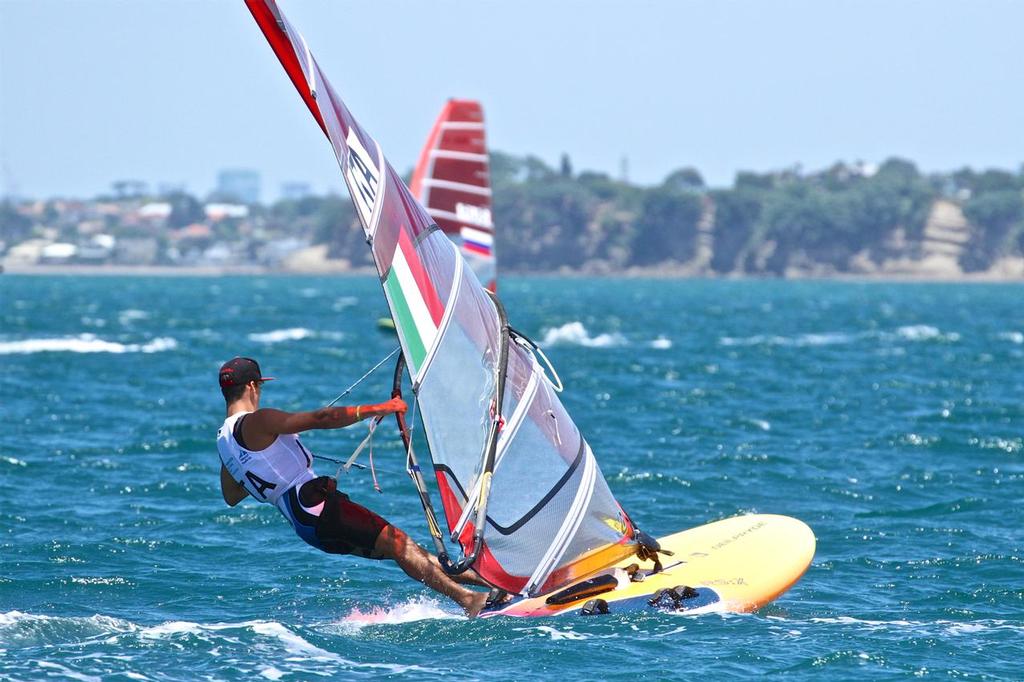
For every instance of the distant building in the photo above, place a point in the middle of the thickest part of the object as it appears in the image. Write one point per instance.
(222, 211)
(136, 250)
(99, 249)
(239, 185)
(60, 252)
(156, 210)
(295, 190)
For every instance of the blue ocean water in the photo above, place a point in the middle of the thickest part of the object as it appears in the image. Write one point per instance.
(888, 417)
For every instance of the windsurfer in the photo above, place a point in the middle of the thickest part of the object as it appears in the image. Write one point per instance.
(262, 456)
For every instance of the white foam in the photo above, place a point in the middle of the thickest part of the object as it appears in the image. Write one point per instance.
(130, 315)
(83, 343)
(420, 608)
(661, 343)
(304, 651)
(67, 672)
(916, 332)
(344, 302)
(1012, 337)
(799, 341)
(14, 460)
(279, 335)
(105, 624)
(574, 333)
(950, 626)
(557, 634)
(115, 580)
(295, 646)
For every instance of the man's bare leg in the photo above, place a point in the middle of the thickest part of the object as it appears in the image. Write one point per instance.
(467, 577)
(393, 543)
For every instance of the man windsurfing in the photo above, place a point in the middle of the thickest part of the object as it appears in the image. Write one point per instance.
(261, 455)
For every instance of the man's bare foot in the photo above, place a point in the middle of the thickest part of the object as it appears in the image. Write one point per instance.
(476, 604)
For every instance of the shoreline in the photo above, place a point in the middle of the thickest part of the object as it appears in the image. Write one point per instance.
(986, 277)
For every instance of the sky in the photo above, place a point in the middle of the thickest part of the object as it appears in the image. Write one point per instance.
(93, 91)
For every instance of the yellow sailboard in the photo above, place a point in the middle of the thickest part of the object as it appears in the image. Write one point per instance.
(735, 565)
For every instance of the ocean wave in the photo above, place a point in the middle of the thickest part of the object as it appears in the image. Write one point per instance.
(126, 317)
(420, 608)
(344, 302)
(661, 343)
(823, 339)
(30, 629)
(575, 334)
(916, 332)
(293, 334)
(924, 332)
(84, 343)
(295, 645)
(279, 335)
(21, 629)
(556, 634)
(952, 627)
(1012, 337)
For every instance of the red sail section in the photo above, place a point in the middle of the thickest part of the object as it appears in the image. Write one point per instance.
(452, 181)
(273, 26)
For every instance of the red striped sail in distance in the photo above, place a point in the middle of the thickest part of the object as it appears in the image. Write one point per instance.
(452, 181)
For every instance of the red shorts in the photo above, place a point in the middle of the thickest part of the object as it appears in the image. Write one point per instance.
(345, 527)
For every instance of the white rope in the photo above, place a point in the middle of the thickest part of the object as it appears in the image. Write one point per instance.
(360, 379)
(359, 448)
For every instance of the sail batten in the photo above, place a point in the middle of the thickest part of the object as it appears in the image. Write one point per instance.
(507, 456)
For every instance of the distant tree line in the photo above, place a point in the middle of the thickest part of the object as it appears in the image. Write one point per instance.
(764, 223)
(552, 218)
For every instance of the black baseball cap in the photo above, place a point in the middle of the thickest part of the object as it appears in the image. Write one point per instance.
(240, 371)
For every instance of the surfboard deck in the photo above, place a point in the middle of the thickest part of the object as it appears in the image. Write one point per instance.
(737, 564)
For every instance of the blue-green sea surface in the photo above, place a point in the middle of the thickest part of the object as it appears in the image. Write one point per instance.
(888, 417)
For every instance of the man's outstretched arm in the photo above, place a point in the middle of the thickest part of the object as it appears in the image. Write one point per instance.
(273, 422)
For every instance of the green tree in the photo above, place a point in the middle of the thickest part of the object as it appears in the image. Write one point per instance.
(667, 226)
(998, 220)
(684, 180)
(14, 227)
(185, 209)
(737, 212)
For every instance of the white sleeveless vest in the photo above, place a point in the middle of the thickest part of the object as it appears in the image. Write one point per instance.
(269, 473)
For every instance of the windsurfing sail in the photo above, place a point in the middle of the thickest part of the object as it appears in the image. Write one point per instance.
(522, 492)
(452, 181)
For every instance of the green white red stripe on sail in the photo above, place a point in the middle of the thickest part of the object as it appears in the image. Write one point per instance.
(414, 301)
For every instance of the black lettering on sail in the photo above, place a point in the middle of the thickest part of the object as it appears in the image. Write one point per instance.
(260, 484)
(366, 182)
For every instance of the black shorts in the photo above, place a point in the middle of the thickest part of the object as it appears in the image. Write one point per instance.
(346, 527)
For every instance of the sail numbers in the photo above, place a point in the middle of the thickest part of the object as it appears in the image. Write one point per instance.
(363, 178)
